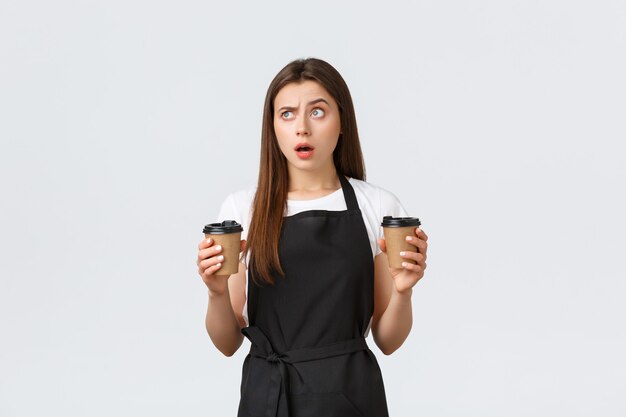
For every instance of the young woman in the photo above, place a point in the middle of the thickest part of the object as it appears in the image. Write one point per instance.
(313, 278)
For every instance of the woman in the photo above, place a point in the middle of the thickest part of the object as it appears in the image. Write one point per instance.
(313, 278)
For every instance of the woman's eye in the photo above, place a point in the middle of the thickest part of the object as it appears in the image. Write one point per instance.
(286, 114)
(317, 112)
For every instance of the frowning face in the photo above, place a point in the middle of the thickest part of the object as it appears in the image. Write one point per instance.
(307, 125)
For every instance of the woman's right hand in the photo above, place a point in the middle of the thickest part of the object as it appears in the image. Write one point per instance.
(209, 263)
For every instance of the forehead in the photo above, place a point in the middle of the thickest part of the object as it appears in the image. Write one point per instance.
(296, 93)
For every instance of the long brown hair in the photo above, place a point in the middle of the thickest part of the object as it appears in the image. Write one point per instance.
(270, 200)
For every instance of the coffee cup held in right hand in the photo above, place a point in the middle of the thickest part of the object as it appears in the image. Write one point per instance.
(228, 235)
(396, 229)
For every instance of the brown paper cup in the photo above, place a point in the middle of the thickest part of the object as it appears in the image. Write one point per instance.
(395, 239)
(230, 250)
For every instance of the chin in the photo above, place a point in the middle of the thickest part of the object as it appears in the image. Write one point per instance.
(304, 165)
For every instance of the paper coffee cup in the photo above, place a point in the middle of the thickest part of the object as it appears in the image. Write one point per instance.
(396, 230)
(227, 234)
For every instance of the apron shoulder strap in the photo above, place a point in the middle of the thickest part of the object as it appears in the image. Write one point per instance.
(348, 193)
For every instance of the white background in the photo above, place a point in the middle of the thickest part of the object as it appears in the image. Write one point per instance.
(500, 124)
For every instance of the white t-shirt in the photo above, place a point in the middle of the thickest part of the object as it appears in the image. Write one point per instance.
(374, 202)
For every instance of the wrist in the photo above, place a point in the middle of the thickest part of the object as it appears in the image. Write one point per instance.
(404, 295)
(218, 293)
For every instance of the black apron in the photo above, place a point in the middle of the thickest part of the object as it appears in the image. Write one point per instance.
(308, 356)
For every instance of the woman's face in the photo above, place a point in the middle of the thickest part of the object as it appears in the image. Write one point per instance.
(307, 125)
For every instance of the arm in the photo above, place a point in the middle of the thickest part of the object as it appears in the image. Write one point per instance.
(393, 311)
(393, 288)
(224, 318)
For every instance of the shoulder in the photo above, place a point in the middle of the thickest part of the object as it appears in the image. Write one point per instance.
(241, 198)
(375, 195)
(237, 204)
(370, 188)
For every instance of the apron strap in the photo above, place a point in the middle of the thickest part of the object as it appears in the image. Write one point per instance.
(348, 193)
(279, 381)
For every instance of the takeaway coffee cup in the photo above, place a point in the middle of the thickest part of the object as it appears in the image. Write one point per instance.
(396, 230)
(227, 234)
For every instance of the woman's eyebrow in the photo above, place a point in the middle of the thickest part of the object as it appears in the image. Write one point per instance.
(317, 100)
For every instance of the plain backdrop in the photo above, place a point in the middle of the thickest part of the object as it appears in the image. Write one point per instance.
(501, 124)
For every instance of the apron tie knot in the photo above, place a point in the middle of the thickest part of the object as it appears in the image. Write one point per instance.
(274, 357)
(279, 384)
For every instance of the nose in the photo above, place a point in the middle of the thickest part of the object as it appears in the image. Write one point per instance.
(303, 127)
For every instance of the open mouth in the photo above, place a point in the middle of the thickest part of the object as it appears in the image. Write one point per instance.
(304, 150)
(304, 147)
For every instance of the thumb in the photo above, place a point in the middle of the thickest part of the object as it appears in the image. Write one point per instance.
(382, 244)
(242, 245)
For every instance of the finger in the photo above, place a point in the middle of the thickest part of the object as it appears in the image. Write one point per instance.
(208, 252)
(382, 244)
(418, 269)
(210, 262)
(415, 256)
(242, 245)
(420, 244)
(212, 270)
(420, 233)
(205, 243)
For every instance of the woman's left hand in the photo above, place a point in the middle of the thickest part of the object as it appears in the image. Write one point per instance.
(406, 277)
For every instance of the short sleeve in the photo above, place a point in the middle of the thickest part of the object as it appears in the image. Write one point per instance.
(235, 207)
(228, 210)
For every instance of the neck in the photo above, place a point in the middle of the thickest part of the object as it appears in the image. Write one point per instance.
(313, 181)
